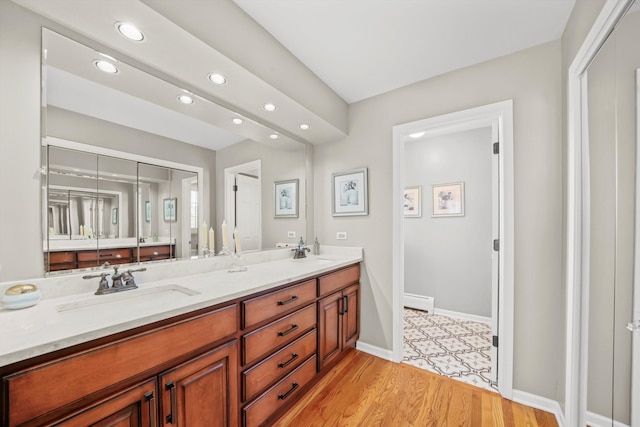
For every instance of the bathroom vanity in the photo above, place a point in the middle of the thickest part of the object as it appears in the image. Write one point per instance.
(208, 348)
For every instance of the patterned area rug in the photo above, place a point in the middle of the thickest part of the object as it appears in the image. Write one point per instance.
(454, 348)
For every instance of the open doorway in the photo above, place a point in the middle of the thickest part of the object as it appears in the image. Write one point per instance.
(498, 118)
(451, 221)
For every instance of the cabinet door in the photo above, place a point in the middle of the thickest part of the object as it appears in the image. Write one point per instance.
(136, 406)
(329, 328)
(202, 392)
(351, 316)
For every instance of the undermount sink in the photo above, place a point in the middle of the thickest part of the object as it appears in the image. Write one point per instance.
(138, 300)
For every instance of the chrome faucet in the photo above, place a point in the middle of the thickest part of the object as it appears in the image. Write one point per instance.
(301, 250)
(121, 281)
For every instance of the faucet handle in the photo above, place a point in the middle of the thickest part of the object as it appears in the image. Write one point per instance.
(93, 276)
(103, 286)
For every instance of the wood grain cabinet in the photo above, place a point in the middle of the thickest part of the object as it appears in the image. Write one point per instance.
(241, 363)
(338, 316)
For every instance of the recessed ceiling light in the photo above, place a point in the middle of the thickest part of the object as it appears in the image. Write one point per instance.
(218, 79)
(185, 99)
(304, 126)
(237, 121)
(269, 107)
(105, 66)
(273, 136)
(417, 134)
(130, 31)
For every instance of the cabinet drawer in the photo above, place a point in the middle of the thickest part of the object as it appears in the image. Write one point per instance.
(286, 390)
(270, 305)
(105, 255)
(261, 341)
(338, 280)
(43, 388)
(62, 257)
(280, 364)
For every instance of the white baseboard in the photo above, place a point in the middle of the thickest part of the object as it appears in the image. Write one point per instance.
(463, 316)
(375, 351)
(595, 420)
(419, 302)
(538, 402)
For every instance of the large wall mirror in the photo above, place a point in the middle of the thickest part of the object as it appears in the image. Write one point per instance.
(612, 350)
(134, 170)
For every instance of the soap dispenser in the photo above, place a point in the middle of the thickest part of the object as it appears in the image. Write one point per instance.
(316, 247)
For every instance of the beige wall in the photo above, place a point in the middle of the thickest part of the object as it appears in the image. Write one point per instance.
(532, 79)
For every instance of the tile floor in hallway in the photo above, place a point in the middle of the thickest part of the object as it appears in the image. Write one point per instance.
(458, 349)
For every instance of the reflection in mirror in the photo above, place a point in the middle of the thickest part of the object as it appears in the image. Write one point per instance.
(137, 115)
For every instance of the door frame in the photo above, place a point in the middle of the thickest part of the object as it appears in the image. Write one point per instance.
(483, 116)
(577, 211)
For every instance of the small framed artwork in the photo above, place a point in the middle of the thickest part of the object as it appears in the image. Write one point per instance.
(286, 198)
(412, 202)
(114, 216)
(170, 209)
(448, 199)
(350, 192)
(147, 211)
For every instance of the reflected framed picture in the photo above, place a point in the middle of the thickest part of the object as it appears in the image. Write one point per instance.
(412, 202)
(114, 216)
(448, 199)
(147, 211)
(170, 210)
(285, 195)
(350, 192)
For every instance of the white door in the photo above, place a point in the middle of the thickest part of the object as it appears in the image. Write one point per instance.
(495, 256)
(248, 212)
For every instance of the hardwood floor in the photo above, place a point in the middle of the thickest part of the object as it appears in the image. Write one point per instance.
(363, 390)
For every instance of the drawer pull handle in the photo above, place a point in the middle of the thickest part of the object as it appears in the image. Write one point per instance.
(294, 356)
(294, 386)
(151, 400)
(288, 331)
(105, 255)
(346, 304)
(290, 300)
(174, 402)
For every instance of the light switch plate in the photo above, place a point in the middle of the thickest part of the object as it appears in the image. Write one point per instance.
(341, 235)
(291, 234)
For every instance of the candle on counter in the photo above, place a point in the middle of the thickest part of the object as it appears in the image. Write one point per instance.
(204, 234)
(236, 239)
(212, 240)
(224, 234)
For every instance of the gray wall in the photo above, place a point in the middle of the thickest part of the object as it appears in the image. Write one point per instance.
(277, 165)
(450, 258)
(532, 79)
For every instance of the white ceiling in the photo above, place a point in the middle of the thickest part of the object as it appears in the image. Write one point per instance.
(362, 48)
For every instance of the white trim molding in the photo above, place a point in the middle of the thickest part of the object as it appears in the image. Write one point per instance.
(595, 420)
(542, 403)
(578, 221)
(419, 302)
(487, 115)
(373, 350)
(463, 316)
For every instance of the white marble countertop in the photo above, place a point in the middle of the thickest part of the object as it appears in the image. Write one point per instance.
(58, 245)
(64, 318)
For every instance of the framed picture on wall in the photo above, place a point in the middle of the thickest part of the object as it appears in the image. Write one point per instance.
(350, 191)
(147, 211)
(170, 209)
(448, 199)
(412, 202)
(285, 195)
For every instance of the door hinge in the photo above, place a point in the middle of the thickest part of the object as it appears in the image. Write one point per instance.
(235, 188)
(496, 245)
(496, 148)
(495, 341)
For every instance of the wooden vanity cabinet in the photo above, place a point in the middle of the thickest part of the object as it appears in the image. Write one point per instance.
(154, 253)
(338, 315)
